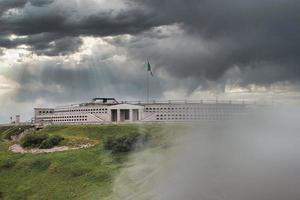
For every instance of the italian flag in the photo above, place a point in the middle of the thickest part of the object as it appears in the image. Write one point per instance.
(149, 69)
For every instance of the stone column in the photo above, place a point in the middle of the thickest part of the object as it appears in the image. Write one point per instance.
(130, 115)
(118, 115)
(140, 117)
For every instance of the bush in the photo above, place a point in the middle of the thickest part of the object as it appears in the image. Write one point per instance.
(51, 142)
(41, 140)
(56, 139)
(109, 143)
(125, 143)
(46, 144)
(33, 140)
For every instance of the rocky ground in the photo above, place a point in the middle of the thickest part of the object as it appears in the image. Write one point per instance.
(17, 148)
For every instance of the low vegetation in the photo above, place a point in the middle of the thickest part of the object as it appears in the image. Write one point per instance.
(75, 174)
(42, 141)
(125, 143)
(9, 131)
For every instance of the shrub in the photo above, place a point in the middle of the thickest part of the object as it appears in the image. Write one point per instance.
(125, 143)
(46, 144)
(51, 142)
(56, 139)
(41, 140)
(33, 140)
(109, 143)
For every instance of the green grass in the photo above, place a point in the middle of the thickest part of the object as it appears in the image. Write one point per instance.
(75, 174)
(8, 131)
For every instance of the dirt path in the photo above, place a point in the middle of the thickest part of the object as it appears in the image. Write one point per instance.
(16, 148)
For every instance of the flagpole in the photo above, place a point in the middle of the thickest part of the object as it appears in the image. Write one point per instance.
(147, 86)
(149, 70)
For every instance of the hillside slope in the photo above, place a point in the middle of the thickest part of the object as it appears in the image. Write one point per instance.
(75, 174)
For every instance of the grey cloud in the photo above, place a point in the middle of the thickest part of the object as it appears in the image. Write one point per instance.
(69, 82)
(9, 4)
(54, 18)
(260, 38)
(60, 46)
(45, 43)
(247, 34)
(40, 3)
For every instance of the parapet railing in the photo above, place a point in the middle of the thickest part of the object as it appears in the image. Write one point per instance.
(143, 102)
(202, 101)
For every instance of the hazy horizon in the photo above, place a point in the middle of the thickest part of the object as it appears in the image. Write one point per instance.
(252, 158)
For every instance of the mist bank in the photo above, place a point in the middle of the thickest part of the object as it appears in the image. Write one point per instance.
(257, 158)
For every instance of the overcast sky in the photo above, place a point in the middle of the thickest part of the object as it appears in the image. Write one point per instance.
(56, 52)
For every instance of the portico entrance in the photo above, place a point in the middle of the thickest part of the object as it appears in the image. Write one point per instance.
(126, 113)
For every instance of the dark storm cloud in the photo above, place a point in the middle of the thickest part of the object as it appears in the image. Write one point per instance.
(61, 22)
(9, 4)
(59, 46)
(260, 38)
(40, 2)
(101, 24)
(45, 43)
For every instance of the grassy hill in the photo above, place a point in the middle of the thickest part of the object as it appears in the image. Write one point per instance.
(75, 174)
